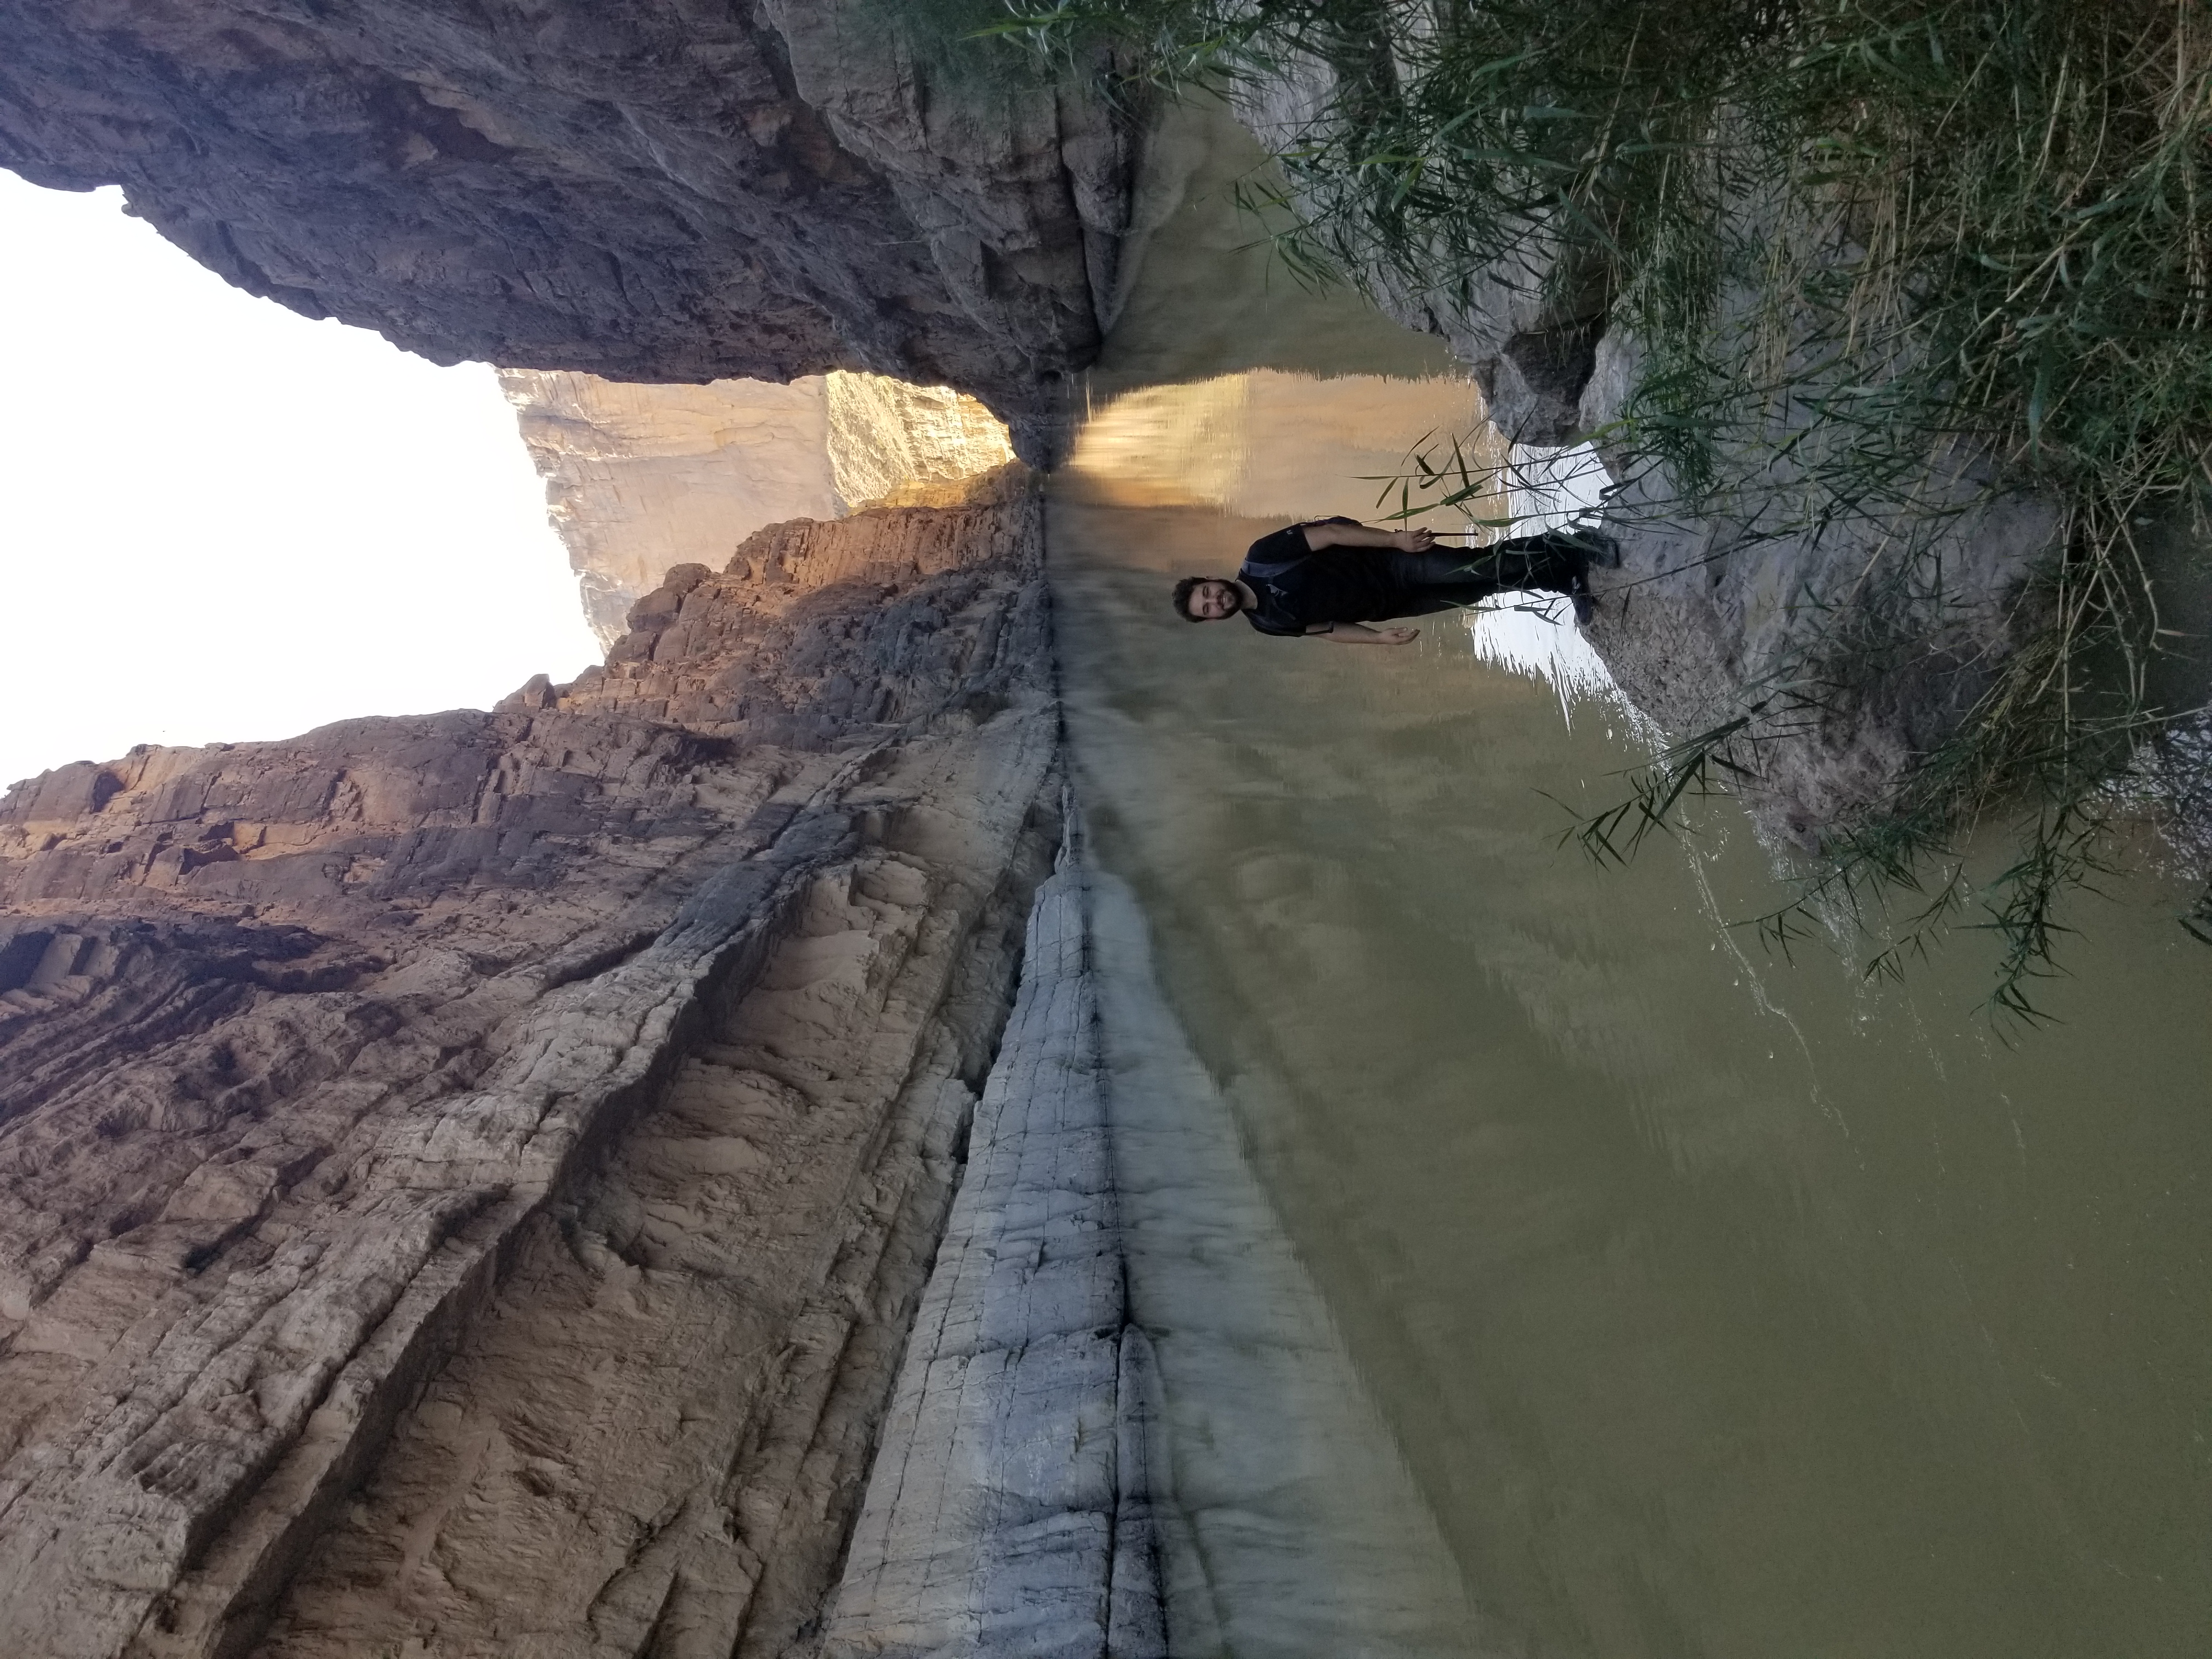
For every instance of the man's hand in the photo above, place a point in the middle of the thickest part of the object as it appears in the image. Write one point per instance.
(1413, 541)
(1397, 635)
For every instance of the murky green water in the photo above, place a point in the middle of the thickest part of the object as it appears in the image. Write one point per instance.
(1711, 1304)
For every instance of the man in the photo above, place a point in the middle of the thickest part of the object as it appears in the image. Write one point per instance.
(1332, 576)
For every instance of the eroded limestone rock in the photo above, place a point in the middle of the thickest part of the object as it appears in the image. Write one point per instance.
(640, 479)
(467, 1177)
(895, 444)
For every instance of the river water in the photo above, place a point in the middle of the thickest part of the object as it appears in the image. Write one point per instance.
(1536, 1265)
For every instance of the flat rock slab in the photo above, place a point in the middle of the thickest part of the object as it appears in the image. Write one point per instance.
(1008, 1512)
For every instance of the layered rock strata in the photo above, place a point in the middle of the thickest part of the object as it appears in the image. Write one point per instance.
(1010, 1508)
(468, 1177)
(897, 445)
(644, 190)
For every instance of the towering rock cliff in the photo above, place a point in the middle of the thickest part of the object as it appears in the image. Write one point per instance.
(468, 1178)
(640, 479)
(643, 189)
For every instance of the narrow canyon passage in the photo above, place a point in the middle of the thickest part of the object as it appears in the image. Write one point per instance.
(1711, 1302)
(926, 1108)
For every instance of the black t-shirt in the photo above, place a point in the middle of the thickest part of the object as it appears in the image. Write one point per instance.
(1298, 585)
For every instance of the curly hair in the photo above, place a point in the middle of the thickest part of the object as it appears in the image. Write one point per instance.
(1183, 590)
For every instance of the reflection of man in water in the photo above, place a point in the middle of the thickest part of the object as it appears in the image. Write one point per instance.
(1332, 576)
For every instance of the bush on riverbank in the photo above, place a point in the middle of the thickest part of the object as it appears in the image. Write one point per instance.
(1855, 242)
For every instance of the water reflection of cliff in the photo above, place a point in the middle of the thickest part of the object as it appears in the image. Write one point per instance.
(1266, 443)
(642, 478)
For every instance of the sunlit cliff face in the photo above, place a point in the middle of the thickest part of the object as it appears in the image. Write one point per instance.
(642, 478)
(907, 445)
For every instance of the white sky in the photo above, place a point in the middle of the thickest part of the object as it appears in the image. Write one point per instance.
(220, 521)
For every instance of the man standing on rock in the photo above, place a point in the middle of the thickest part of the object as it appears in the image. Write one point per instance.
(1331, 577)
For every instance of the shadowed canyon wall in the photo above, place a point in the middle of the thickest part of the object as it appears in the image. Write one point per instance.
(646, 191)
(468, 1178)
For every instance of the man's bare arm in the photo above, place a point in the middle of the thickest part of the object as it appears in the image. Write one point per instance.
(1319, 535)
(1350, 633)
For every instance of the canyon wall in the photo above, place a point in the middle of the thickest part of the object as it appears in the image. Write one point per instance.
(640, 479)
(645, 190)
(469, 1177)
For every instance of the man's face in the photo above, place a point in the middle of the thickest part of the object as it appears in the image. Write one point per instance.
(1211, 601)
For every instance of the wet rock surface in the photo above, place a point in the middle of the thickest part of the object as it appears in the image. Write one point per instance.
(468, 1177)
(647, 191)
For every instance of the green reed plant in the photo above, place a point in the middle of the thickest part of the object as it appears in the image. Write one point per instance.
(1884, 261)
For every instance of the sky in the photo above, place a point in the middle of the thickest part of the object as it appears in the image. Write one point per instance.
(220, 521)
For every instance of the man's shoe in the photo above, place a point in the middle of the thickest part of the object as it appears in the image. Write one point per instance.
(1599, 549)
(1585, 602)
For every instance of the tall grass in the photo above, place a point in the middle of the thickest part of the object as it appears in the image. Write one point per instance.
(1885, 262)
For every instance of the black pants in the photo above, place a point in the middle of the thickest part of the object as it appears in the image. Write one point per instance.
(1451, 577)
